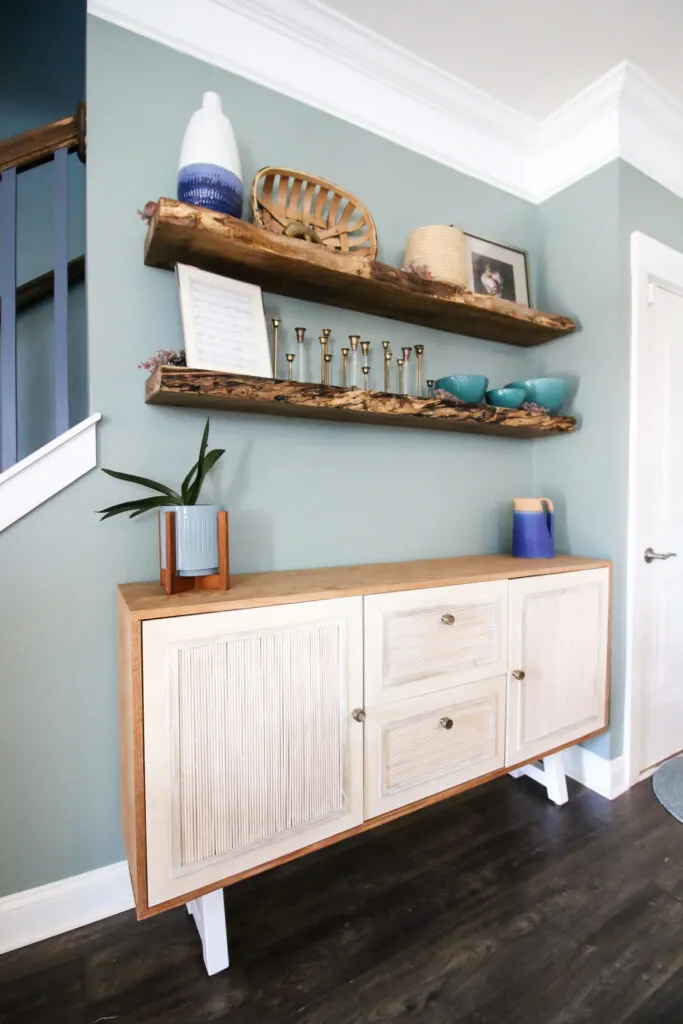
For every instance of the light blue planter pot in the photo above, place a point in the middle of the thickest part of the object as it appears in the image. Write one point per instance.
(196, 538)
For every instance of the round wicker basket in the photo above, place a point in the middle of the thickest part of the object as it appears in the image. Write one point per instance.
(439, 252)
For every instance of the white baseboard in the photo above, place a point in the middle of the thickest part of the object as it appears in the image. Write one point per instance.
(608, 778)
(48, 910)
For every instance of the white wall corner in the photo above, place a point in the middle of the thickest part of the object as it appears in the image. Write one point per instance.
(49, 910)
(315, 54)
(608, 778)
(50, 469)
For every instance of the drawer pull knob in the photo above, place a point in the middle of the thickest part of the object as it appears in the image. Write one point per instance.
(358, 714)
(446, 723)
(518, 674)
(448, 619)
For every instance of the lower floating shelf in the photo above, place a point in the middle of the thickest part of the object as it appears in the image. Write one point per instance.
(209, 389)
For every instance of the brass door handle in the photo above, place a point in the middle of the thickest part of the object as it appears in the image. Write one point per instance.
(448, 619)
(518, 674)
(358, 714)
(446, 722)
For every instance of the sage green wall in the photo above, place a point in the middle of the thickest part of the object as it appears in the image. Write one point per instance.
(299, 493)
(583, 259)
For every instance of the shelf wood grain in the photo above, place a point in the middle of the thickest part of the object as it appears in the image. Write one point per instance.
(179, 233)
(209, 389)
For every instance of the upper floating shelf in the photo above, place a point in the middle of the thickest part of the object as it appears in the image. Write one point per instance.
(179, 233)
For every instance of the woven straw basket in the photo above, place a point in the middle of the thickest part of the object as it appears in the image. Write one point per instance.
(283, 199)
(438, 252)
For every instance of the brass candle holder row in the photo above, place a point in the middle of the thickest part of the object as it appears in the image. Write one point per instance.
(355, 362)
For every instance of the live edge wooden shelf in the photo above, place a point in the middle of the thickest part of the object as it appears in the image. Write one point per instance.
(208, 389)
(179, 233)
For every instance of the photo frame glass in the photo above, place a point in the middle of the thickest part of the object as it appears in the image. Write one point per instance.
(497, 270)
(224, 324)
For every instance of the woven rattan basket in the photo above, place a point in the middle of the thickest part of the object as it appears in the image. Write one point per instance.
(302, 206)
(438, 252)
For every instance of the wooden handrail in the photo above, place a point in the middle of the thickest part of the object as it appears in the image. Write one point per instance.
(35, 147)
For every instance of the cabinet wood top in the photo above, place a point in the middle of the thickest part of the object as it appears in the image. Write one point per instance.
(257, 590)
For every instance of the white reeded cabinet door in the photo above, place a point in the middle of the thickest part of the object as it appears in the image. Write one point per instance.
(419, 641)
(250, 749)
(559, 640)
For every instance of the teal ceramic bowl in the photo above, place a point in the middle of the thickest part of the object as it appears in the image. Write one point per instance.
(468, 387)
(548, 392)
(506, 398)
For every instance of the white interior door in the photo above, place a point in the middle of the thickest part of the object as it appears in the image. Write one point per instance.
(656, 585)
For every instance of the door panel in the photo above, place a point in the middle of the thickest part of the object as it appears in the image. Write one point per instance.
(658, 500)
(250, 750)
(411, 754)
(420, 641)
(558, 640)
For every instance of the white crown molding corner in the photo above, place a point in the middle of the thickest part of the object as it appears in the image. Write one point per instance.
(605, 777)
(48, 471)
(312, 53)
(48, 910)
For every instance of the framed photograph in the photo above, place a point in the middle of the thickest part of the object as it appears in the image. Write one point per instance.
(497, 270)
(223, 323)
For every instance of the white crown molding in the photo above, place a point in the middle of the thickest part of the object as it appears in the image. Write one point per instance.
(48, 910)
(48, 471)
(314, 54)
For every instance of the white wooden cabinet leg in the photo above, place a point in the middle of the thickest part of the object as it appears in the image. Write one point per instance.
(209, 916)
(551, 777)
(556, 782)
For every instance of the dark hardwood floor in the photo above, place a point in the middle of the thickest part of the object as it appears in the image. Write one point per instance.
(494, 907)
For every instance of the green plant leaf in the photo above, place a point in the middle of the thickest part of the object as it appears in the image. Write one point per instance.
(186, 488)
(135, 507)
(144, 482)
(186, 484)
(203, 445)
(208, 462)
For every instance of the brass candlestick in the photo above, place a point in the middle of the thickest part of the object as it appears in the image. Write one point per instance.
(328, 360)
(387, 369)
(419, 352)
(399, 363)
(323, 350)
(301, 364)
(345, 366)
(354, 376)
(326, 332)
(276, 327)
(385, 346)
(366, 379)
(290, 357)
(365, 348)
(430, 389)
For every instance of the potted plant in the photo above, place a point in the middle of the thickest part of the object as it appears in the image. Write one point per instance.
(196, 525)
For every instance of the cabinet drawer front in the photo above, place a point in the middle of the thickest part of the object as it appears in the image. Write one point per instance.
(559, 628)
(250, 748)
(417, 642)
(421, 746)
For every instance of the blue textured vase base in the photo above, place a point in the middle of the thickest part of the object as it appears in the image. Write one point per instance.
(211, 186)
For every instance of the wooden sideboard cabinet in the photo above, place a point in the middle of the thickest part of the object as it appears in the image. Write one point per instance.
(297, 708)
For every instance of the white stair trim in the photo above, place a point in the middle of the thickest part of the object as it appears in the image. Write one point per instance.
(48, 910)
(47, 471)
(313, 53)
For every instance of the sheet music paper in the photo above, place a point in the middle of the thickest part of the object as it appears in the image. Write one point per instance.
(224, 324)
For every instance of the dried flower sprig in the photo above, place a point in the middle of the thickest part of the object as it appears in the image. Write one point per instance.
(419, 270)
(163, 357)
(148, 211)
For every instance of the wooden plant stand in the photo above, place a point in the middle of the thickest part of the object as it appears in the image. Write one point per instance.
(174, 584)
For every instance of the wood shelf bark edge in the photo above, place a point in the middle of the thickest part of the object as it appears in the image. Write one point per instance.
(179, 233)
(209, 389)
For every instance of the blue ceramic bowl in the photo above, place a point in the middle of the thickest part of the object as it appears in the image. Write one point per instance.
(548, 392)
(469, 387)
(506, 398)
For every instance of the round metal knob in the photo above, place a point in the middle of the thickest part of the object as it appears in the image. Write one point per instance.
(446, 723)
(518, 674)
(358, 714)
(448, 619)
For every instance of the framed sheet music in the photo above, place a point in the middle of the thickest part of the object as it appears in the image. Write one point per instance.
(224, 324)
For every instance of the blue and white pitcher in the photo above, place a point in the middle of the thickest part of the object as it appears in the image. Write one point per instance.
(533, 528)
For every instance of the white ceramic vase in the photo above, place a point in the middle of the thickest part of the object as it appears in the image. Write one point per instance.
(210, 172)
